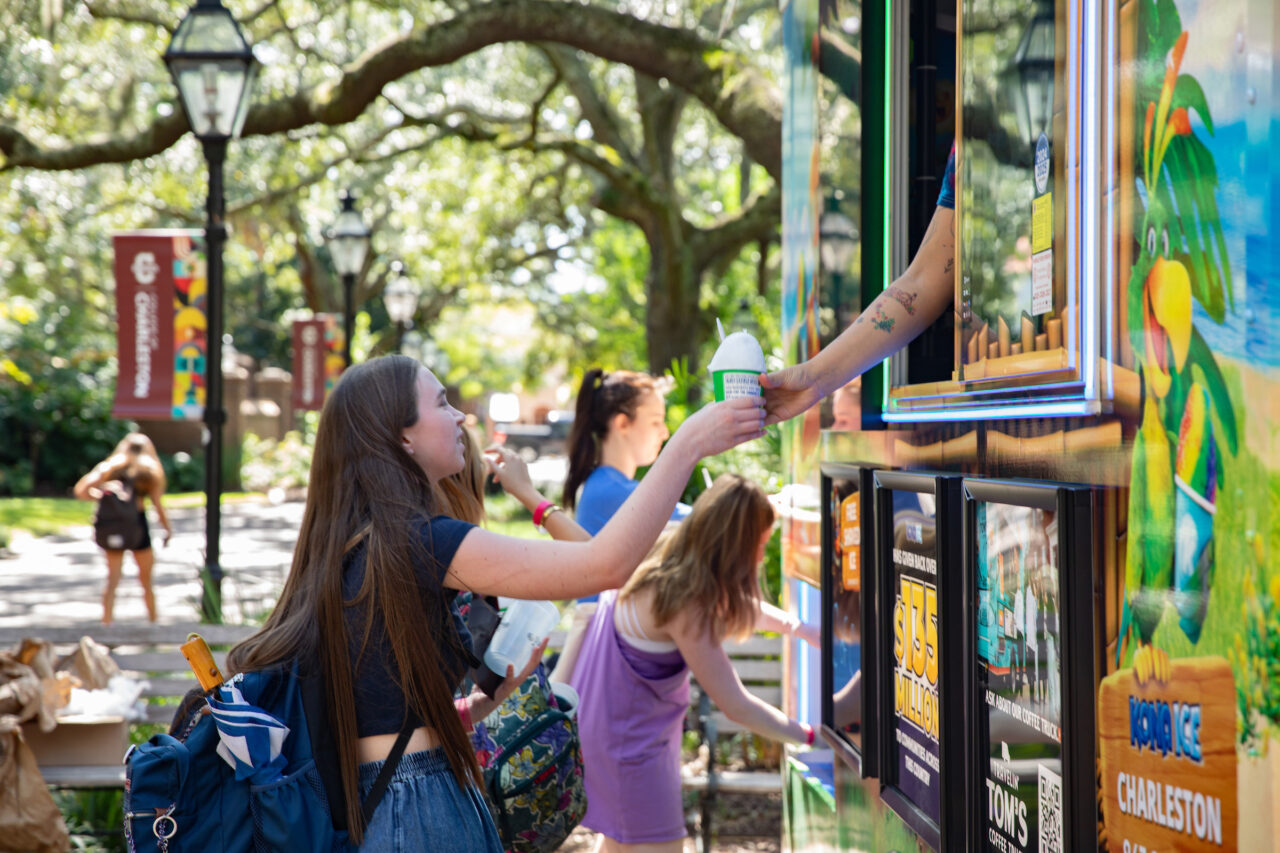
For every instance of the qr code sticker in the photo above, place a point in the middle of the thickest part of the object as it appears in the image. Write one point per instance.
(1050, 811)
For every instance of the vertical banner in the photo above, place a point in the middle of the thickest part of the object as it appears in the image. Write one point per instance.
(310, 360)
(156, 276)
(190, 325)
(334, 361)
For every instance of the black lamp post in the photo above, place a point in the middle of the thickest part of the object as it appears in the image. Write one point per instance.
(400, 301)
(837, 241)
(213, 66)
(349, 243)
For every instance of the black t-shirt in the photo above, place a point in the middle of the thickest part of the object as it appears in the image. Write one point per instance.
(380, 703)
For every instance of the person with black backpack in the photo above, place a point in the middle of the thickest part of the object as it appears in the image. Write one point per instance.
(120, 484)
(370, 600)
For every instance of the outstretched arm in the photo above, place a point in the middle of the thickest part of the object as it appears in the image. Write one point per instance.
(491, 564)
(770, 618)
(906, 308)
(714, 671)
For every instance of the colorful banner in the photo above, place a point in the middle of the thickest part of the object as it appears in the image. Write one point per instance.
(160, 290)
(309, 364)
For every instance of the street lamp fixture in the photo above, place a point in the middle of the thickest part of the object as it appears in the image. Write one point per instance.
(1031, 75)
(349, 243)
(837, 242)
(213, 66)
(400, 300)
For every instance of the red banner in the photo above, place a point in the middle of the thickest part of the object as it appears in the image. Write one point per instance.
(144, 307)
(309, 357)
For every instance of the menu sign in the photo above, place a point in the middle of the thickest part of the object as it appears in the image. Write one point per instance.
(1019, 677)
(914, 587)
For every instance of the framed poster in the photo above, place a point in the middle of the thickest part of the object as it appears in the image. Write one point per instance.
(1029, 650)
(849, 711)
(919, 643)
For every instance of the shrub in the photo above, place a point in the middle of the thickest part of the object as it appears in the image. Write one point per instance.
(268, 464)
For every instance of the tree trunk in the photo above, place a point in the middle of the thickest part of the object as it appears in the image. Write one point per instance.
(673, 318)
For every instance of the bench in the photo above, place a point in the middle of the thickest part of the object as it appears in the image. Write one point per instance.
(147, 652)
(758, 662)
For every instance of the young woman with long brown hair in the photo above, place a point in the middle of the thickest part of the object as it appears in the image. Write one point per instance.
(133, 469)
(699, 586)
(369, 598)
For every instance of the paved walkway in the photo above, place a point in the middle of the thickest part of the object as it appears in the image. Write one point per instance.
(58, 580)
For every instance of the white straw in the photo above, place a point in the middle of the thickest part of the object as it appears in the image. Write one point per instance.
(720, 328)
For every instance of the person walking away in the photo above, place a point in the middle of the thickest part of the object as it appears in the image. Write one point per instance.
(369, 603)
(121, 483)
(698, 586)
(619, 425)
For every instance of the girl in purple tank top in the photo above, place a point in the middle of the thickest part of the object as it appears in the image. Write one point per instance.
(698, 586)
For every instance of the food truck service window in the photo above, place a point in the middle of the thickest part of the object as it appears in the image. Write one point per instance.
(849, 712)
(1030, 166)
(921, 686)
(1029, 664)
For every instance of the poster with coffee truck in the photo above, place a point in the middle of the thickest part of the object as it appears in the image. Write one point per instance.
(1019, 678)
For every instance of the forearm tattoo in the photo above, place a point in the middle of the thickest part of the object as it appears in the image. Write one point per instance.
(906, 300)
(883, 321)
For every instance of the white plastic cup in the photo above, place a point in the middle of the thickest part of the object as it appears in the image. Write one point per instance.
(523, 627)
(566, 698)
(736, 367)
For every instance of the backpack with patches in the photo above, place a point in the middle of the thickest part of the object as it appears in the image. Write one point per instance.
(117, 523)
(529, 751)
(182, 793)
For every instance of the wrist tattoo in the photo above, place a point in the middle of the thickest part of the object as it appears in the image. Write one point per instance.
(883, 321)
(906, 300)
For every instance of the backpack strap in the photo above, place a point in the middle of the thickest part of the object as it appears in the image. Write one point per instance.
(325, 751)
(388, 770)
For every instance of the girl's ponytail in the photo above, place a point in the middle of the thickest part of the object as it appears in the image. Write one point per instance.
(582, 437)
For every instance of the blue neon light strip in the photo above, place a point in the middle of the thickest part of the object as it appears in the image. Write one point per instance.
(1075, 406)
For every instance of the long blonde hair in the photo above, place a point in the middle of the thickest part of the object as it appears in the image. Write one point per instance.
(709, 561)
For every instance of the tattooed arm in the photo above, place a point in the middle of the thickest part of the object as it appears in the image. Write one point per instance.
(906, 308)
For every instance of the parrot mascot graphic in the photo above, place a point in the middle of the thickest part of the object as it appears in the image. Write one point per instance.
(1187, 414)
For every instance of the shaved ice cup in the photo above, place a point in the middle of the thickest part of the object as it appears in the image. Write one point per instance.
(736, 367)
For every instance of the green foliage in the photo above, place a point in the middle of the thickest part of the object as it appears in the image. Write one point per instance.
(284, 464)
(183, 472)
(43, 516)
(1256, 657)
(95, 818)
(55, 399)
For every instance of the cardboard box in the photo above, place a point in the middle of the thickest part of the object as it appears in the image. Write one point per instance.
(79, 741)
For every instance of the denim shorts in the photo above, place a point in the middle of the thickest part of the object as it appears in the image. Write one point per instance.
(424, 809)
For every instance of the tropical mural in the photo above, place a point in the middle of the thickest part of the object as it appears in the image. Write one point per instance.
(1187, 720)
(1188, 490)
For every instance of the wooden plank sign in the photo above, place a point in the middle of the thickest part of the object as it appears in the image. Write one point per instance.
(1168, 758)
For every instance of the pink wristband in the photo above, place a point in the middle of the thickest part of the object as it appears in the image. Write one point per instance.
(808, 734)
(464, 713)
(540, 512)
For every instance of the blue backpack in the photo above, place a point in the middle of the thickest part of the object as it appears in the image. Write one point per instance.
(181, 795)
